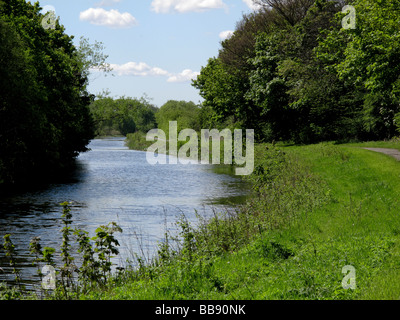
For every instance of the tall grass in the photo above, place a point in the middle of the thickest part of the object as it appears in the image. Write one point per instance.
(286, 193)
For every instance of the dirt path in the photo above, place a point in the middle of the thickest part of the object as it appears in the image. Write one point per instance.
(391, 152)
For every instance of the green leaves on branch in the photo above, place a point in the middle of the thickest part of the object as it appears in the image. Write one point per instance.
(185, 113)
(92, 57)
(45, 121)
(306, 78)
(122, 116)
(9, 249)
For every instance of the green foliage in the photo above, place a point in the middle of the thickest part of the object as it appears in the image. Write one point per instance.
(122, 116)
(268, 89)
(9, 249)
(48, 255)
(301, 77)
(7, 293)
(225, 101)
(137, 141)
(44, 117)
(68, 268)
(185, 113)
(93, 270)
(367, 58)
(225, 81)
(88, 272)
(35, 248)
(105, 247)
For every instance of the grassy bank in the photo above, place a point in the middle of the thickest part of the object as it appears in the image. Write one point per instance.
(317, 209)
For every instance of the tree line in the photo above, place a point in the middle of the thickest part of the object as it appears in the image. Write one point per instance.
(45, 121)
(292, 72)
(135, 117)
(122, 116)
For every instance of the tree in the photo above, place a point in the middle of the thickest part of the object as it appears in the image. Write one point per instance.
(298, 75)
(301, 99)
(268, 89)
(44, 107)
(185, 113)
(91, 57)
(219, 89)
(122, 116)
(234, 84)
(369, 58)
(292, 11)
(239, 48)
(16, 79)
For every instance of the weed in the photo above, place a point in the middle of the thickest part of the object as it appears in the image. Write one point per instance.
(106, 246)
(68, 268)
(93, 273)
(9, 248)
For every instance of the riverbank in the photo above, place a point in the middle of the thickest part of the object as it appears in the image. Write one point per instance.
(323, 225)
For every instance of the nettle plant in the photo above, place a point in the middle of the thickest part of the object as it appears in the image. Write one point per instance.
(93, 253)
(9, 249)
(96, 254)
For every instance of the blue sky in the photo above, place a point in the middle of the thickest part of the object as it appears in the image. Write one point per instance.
(155, 46)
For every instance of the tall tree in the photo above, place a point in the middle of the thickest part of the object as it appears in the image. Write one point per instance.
(223, 83)
(185, 113)
(369, 57)
(292, 11)
(49, 124)
(123, 115)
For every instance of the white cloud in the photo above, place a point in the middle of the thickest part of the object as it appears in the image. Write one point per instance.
(181, 6)
(252, 5)
(226, 34)
(141, 69)
(112, 18)
(106, 3)
(137, 69)
(185, 75)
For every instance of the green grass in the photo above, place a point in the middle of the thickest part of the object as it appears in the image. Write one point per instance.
(317, 209)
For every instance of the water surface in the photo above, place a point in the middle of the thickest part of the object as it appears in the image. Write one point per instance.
(113, 183)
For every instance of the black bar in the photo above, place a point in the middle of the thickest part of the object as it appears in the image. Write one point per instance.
(209, 309)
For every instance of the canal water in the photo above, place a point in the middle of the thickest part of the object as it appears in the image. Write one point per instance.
(114, 184)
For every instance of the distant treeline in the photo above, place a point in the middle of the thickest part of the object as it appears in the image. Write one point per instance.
(127, 115)
(122, 116)
(292, 72)
(44, 116)
(133, 117)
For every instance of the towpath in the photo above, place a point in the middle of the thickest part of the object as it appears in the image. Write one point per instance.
(391, 152)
